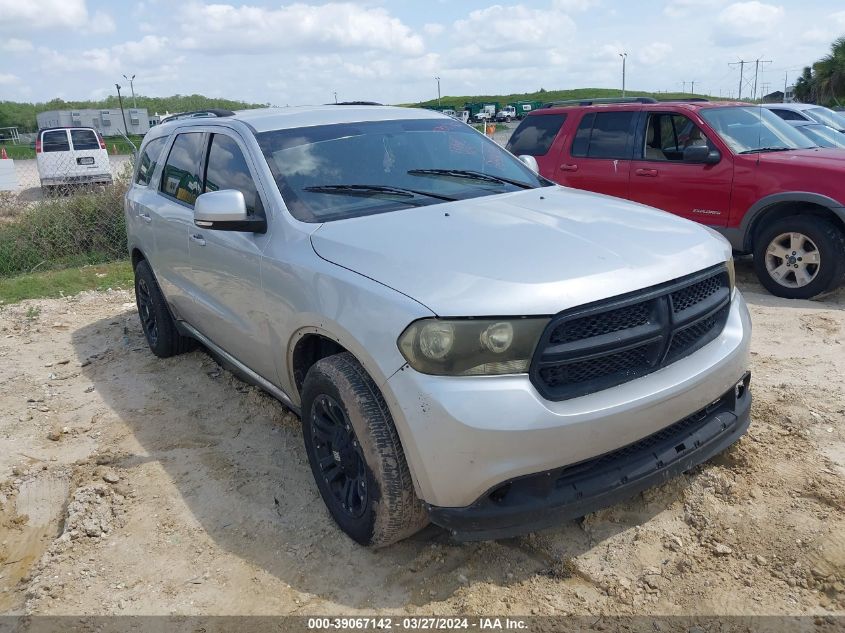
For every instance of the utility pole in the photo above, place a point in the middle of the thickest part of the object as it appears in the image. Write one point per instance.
(692, 87)
(785, 75)
(335, 96)
(131, 81)
(757, 63)
(122, 115)
(741, 63)
(624, 57)
(438, 91)
(684, 87)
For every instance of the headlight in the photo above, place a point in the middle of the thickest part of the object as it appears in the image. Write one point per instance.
(731, 273)
(471, 347)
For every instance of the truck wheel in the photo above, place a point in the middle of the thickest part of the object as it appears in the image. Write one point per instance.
(156, 321)
(355, 454)
(800, 256)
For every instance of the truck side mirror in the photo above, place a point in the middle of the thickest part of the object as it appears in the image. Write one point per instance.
(701, 154)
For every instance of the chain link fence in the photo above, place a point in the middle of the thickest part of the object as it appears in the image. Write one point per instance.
(63, 208)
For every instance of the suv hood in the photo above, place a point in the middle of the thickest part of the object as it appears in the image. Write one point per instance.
(531, 252)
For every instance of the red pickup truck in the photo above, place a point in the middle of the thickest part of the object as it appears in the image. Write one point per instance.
(735, 167)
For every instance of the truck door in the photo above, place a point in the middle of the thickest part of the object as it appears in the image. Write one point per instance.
(599, 156)
(661, 178)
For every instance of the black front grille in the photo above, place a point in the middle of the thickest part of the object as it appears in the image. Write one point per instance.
(604, 323)
(613, 341)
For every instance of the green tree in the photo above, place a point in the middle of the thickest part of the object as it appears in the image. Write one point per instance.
(829, 73)
(805, 86)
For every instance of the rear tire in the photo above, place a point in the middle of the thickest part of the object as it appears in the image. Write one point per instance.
(800, 256)
(156, 321)
(355, 454)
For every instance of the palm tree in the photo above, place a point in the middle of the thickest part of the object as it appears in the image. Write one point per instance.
(805, 86)
(829, 72)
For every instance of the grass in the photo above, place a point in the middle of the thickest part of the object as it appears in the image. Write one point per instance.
(65, 282)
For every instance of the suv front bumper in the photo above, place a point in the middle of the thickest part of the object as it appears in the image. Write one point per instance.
(548, 498)
(465, 436)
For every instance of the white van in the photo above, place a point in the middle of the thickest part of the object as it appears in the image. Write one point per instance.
(71, 155)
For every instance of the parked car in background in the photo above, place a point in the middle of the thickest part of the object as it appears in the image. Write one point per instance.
(737, 168)
(820, 134)
(808, 112)
(466, 342)
(71, 156)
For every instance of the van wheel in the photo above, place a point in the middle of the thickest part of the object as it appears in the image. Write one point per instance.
(156, 321)
(800, 256)
(355, 454)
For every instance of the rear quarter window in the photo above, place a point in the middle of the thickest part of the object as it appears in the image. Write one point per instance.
(84, 139)
(535, 134)
(55, 141)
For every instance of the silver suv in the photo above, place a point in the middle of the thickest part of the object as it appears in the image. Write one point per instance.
(465, 342)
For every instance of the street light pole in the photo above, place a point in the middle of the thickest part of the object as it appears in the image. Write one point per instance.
(131, 81)
(122, 115)
(438, 90)
(624, 57)
(335, 96)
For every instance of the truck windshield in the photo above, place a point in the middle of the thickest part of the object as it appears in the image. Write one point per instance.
(334, 172)
(749, 129)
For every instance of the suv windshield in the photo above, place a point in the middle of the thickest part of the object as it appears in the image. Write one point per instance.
(333, 172)
(748, 129)
(828, 117)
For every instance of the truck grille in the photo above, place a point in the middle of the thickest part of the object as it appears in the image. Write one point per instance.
(610, 342)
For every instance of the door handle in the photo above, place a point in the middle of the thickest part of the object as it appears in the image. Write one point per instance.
(646, 172)
(146, 217)
(569, 167)
(198, 239)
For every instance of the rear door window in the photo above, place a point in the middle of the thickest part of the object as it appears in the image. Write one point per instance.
(181, 176)
(84, 139)
(148, 160)
(227, 169)
(535, 134)
(55, 141)
(604, 135)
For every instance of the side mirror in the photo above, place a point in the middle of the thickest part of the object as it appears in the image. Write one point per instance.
(225, 210)
(530, 162)
(701, 154)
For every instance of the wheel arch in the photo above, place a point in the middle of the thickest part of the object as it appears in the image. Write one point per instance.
(137, 256)
(781, 205)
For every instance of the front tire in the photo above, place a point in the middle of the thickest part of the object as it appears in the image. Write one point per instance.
(355, 454)
(800, 256)
(156, 321)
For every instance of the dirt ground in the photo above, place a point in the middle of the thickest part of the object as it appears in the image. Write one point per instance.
(133, 485)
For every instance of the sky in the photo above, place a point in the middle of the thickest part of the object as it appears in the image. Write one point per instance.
(390, 51)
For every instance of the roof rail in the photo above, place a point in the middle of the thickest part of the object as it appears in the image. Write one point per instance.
(588, 102)
(199, 114)
(685, 100)
(358, 103)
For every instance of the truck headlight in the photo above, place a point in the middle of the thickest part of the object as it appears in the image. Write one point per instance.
(471, 347)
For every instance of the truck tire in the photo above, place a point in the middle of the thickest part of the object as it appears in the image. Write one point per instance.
(800, 256)
(156, 321)
(355, 454)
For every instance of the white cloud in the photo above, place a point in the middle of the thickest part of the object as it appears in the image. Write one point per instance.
(40, 14)
(226, 28)
(572, 6)
(101, 23)
(8, 78)
(654, 53)
(744, 22)
(14, 45)
(684, 8)
(514, 29)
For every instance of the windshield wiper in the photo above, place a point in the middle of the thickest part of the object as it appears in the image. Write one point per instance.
(768, 149)
(374, 191)
(470, 175)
